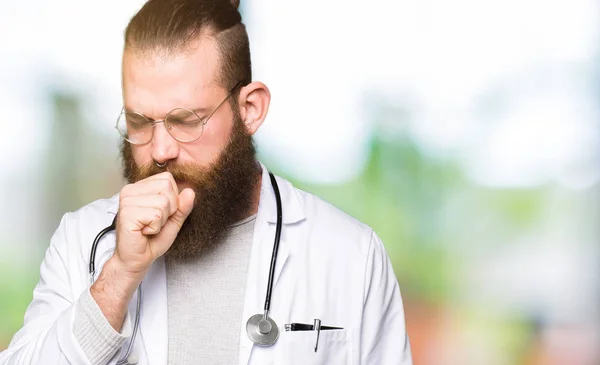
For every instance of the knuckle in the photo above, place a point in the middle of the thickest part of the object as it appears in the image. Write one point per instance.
(171, 178)
(165, 203)
(124, 201)
(125, 191)
(166, 184)
(165, 175)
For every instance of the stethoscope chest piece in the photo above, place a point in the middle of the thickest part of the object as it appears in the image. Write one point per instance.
(262, 330)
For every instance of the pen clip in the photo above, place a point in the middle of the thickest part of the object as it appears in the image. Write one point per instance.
(317, 327)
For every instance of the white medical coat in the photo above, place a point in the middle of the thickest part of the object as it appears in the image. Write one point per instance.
(330, 266)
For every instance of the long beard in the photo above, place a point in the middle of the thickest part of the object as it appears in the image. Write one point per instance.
(224, 191)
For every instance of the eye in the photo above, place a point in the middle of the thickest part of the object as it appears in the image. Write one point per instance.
(135, 120)
(183, 116)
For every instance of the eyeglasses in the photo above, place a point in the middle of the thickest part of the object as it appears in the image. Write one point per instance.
(182, 124)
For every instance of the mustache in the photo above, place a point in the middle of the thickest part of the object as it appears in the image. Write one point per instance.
(182, 172)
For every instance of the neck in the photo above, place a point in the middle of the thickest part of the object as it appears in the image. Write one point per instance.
(256, 194)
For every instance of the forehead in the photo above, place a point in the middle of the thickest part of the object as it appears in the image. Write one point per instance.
(155, 83)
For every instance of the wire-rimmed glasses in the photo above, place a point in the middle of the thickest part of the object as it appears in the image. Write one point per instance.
(184, 125)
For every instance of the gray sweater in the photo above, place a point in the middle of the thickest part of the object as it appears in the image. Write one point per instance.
(206, 300)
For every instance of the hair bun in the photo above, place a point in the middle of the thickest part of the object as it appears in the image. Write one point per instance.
(235, 3)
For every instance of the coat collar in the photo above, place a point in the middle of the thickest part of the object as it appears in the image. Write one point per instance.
(293, 211)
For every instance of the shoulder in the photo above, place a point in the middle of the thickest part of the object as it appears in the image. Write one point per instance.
(97, 213)
(67, 256)
(334, 229)
(320, 210)
(77, 229)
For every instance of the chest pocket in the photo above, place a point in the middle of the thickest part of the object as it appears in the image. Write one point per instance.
(298, 347)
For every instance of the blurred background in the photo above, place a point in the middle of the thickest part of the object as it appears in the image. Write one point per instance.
(466, 132)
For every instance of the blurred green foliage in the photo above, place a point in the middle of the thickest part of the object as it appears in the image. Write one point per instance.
(400, 194)
(425, 209)
(17, 280)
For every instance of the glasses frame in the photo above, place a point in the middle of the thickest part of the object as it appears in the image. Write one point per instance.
(164, 120)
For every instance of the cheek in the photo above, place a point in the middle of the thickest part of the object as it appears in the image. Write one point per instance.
(214, 139)
(142, 155)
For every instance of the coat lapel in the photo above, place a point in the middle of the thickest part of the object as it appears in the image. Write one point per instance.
(256, 284)
(262, 249)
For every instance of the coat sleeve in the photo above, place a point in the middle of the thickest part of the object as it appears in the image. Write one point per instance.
(47, 333)
(383, 333)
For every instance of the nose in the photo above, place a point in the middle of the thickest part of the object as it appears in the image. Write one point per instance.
(164, 146)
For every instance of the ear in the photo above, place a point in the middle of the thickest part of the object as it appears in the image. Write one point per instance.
(254, 103)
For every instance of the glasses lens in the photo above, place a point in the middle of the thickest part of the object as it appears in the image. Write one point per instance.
(184, 125)
(134, 127)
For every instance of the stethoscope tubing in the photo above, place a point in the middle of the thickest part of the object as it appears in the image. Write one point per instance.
(275, 244)
(92, 269)
(138, 308)
(92, 266)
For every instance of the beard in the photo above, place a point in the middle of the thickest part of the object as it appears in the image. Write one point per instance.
(224, 191)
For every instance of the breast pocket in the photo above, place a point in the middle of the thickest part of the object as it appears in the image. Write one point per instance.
(298, 347)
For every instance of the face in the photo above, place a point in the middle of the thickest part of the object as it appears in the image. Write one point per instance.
(155, 86)
(220, 166)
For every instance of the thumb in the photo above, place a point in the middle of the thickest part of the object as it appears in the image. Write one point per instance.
(168, 233)
(185, 203)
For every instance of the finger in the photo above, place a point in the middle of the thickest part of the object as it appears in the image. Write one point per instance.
(150, 187)
(140, 219)
(158, 201)
(186, 204)
(165, 175)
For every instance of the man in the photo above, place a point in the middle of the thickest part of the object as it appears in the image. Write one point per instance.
(197, 224)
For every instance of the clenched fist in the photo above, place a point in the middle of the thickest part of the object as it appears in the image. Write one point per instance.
(151, 213)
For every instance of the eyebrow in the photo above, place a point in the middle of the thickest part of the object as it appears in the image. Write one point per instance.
(201, 110)
(198, 111)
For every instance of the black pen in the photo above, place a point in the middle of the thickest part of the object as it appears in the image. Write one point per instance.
(308, 327)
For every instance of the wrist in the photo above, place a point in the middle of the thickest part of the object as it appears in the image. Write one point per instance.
(129, 273)
(112, 293)
(115, 281)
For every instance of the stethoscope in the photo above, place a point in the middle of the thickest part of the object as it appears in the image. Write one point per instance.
(261, 328)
